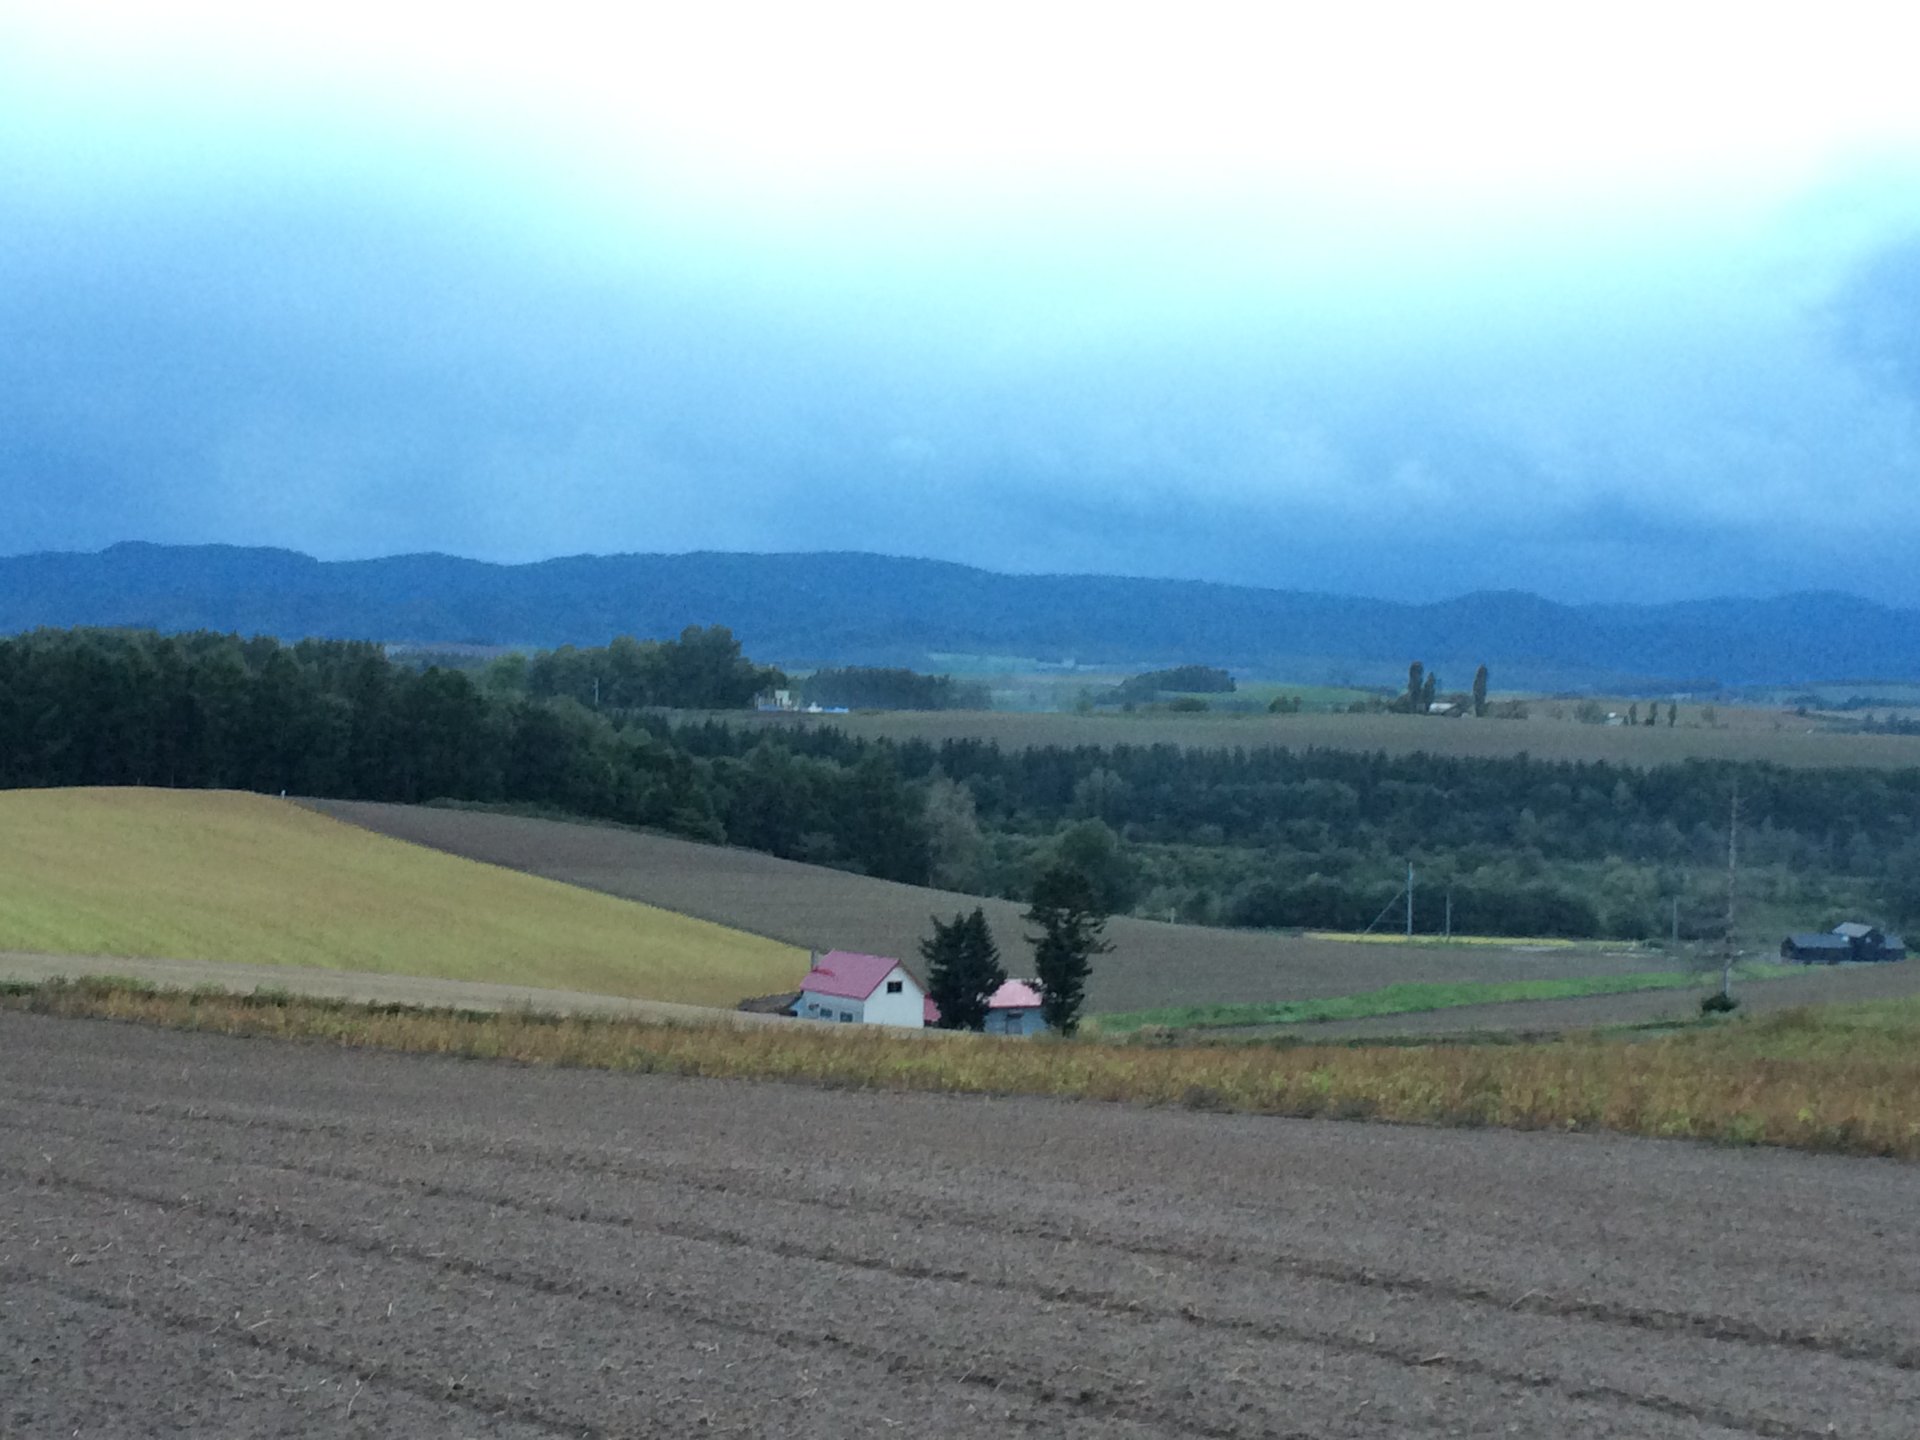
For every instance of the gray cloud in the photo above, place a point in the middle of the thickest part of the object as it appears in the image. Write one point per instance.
(350, 366)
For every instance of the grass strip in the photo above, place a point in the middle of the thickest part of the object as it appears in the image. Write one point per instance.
(1837, 1078)
(1412, 998)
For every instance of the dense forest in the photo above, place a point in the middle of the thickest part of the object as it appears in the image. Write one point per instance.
(1261, 837)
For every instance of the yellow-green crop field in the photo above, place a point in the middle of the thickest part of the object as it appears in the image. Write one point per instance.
(223, 876)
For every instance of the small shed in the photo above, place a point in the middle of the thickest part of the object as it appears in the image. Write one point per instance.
(1013, 1009)
(850, 988)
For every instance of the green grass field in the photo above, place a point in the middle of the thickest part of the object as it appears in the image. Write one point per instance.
(199, 875)
(1414, 999)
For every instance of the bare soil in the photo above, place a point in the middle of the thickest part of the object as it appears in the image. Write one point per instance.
(1152, 964)
(201, 1236)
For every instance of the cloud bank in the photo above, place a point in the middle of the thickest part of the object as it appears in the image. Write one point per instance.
(1338, 308)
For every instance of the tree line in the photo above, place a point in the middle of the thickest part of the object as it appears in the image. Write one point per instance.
(1261, 837)
(1320, 837)
(339, 719)
(861, 687)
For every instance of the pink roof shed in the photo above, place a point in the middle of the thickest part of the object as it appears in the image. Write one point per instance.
(1012, 995)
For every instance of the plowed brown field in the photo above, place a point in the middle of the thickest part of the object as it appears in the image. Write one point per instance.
(1152, 964)
(202, 1236)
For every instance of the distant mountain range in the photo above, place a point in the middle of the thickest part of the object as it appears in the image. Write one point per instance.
(820, 609)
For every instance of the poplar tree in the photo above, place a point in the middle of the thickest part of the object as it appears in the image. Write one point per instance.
(1072, 932)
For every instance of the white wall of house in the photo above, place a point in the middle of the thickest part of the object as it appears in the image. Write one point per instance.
(898, 1000)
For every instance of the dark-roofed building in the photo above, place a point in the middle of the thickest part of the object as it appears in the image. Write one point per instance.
(1845, 942)
(1822, 949)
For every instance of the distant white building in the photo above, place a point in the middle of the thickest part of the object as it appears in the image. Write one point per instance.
(862, 990)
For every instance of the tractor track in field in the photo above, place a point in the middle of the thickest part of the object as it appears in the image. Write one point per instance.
(1895, 1354)
(539, 1252)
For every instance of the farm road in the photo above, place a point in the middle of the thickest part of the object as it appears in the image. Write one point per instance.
(251, 1238)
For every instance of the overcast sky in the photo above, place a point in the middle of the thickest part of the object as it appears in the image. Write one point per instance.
(1616, 303)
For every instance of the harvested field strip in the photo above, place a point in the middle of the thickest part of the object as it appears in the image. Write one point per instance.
(1504, 942)
(228, 877)
(1844, 1083)
(1413, 999)
(1540, 737)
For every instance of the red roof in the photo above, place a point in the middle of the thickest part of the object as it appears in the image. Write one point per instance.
(847, 975)
(1012, 995)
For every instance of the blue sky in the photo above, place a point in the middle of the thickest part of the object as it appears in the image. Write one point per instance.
(1622, 305)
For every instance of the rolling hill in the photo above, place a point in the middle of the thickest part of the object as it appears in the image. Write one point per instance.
(1152, 964)
(223, 876)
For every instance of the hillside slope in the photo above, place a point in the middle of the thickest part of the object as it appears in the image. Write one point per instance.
(1152, 964)
(222, 876)
(805, 609)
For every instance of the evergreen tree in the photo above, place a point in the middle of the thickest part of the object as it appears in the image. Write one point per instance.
(1072, 932)
(963, 970)
(1427, 693)
(1480, 691)
(1416, 677)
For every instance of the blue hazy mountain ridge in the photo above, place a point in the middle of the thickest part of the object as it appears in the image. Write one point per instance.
(857, 608)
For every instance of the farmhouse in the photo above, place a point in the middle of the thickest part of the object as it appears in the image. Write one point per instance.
(1849, 941)
(1014, 1009)
(861, 989)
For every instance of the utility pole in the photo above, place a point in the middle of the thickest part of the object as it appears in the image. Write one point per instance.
(1449, 914)
(1733, 864)
(1676, 922)
(1409, 900)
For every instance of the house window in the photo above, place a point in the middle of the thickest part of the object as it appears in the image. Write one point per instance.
(846, 1015)
(893, 987)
